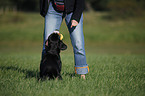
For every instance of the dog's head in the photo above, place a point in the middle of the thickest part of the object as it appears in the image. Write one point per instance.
(53, 44)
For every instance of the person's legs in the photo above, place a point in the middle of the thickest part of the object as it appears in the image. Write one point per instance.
(53, 22)
(77, 39)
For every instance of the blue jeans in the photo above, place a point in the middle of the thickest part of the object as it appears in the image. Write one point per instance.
(53, 22)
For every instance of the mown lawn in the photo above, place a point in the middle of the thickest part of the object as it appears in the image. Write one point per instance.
(110, 75)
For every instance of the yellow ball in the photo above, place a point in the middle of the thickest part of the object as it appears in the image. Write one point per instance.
(61, 36)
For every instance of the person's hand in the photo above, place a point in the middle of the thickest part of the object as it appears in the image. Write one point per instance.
(74, 23)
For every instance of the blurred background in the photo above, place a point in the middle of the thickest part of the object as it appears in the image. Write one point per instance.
(110, 27)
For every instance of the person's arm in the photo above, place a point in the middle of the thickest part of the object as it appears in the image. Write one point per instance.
(78, 10)
(44, 7)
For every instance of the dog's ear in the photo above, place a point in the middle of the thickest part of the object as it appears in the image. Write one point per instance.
(62, 46)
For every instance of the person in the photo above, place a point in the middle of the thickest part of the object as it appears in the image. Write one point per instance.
(54, 11)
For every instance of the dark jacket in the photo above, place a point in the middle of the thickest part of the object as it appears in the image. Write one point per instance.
(75, 6)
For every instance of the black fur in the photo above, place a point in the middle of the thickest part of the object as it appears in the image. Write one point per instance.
(50, 66)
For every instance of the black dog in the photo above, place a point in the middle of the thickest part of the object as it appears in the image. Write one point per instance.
(50, 66)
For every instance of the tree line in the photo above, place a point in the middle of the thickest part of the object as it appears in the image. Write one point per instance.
(127, 7)
(19, 5)
(122, 8)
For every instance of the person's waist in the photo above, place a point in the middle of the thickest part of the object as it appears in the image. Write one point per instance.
(62, 1)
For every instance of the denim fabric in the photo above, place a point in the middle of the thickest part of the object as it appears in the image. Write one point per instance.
(53, 22)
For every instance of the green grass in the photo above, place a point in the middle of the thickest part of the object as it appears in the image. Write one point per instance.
(96, 29)
(115, 53)
(110, 75)
(26, 30)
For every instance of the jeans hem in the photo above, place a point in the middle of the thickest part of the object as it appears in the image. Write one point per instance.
(81, 70)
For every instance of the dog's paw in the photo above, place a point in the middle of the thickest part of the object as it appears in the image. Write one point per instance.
(59, 78)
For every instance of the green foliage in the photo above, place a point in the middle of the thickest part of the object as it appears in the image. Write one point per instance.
(117, 8)
(125, 9)
(5, 3)
(20, 5)
(99, 5)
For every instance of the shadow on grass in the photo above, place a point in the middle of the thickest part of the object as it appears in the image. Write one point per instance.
(28, 73)
(32, 74)
(69, 74)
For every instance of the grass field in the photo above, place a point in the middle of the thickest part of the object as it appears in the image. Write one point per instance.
(110, 75)
(115, 53)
